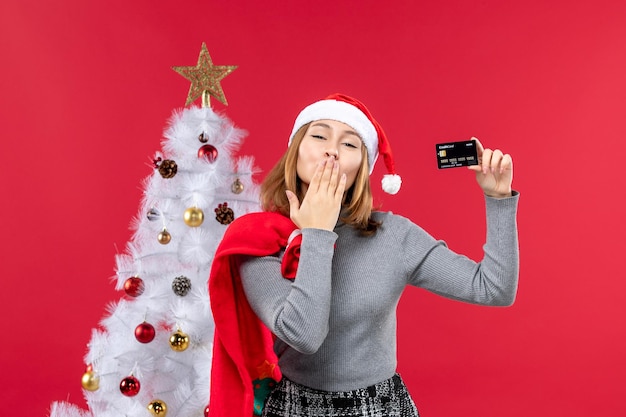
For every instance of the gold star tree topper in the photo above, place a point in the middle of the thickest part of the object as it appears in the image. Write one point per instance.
(205, 78)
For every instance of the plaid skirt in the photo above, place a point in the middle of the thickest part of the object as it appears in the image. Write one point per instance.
(389, 398)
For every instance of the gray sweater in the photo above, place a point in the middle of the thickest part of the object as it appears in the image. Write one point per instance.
(336, 322)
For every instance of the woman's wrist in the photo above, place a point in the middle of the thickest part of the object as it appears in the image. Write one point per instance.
(500, 195)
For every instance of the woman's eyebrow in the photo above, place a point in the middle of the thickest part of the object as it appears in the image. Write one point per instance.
(321, 125)
(324, 125)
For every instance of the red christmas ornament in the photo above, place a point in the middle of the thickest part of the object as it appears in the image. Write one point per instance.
(206, 411)
(130, 386)
(144, 333)
(133, 286)
(208, 152)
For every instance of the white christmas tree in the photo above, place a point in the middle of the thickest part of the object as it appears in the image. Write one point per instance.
(151, 356)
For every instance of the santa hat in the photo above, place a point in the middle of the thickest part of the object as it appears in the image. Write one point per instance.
(352, 112)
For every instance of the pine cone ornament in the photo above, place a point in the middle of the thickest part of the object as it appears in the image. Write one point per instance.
(181, 285)
(224, 214)
(167, 168)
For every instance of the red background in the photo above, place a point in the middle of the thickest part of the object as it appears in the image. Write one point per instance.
(86, 90)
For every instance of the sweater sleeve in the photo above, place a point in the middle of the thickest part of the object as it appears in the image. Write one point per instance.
(493, 280)
(295, 311)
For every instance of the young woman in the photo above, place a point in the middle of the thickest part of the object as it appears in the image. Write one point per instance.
(305, 294)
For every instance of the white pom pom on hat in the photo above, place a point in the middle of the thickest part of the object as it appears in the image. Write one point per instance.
(348, 110)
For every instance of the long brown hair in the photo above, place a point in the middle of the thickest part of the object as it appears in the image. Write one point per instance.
(358, 200)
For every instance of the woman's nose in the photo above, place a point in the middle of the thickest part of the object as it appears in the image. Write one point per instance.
(332, 152)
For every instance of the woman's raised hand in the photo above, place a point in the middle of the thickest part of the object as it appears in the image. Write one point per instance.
(321, 204)
(494, 173)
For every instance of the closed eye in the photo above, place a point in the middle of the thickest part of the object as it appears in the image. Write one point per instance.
(350, 145)
(318, 137)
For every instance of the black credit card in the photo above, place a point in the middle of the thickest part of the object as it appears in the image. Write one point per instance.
(456, 154)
